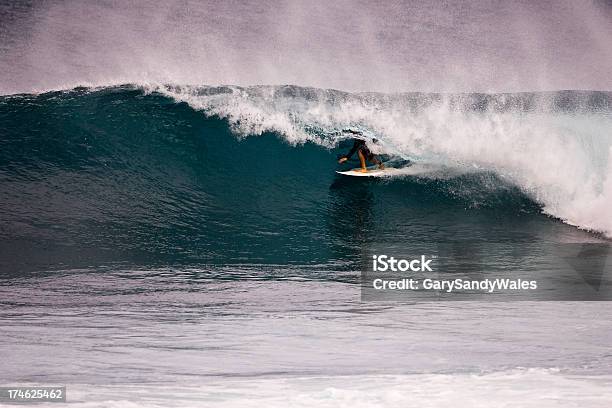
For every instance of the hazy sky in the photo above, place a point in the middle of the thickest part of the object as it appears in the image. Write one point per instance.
(349, 45)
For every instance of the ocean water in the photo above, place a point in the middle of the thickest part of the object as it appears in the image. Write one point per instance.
(165, 245)
(173, 232)
(159, 338)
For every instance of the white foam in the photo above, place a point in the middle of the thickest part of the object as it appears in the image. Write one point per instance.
(537, 388)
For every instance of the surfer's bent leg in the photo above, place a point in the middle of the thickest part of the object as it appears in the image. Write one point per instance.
(363, 161)
(377, 162)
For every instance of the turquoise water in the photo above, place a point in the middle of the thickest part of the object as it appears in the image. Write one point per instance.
(122, 176)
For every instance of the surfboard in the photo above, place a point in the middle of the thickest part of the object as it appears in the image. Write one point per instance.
(372, 172)
(413, 169)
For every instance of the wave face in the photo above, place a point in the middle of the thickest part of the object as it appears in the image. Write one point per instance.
(555, 147)
(230, 175)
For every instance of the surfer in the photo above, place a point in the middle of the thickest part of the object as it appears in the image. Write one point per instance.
(360, 146)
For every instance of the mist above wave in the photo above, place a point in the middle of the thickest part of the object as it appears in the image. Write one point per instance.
(357, 46)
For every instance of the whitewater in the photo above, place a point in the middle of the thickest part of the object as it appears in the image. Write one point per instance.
(183, 337)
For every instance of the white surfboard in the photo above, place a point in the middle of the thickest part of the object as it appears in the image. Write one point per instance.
(372, 172)
(413, 169)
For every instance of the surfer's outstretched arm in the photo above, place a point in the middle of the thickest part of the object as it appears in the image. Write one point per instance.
(350, 153)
